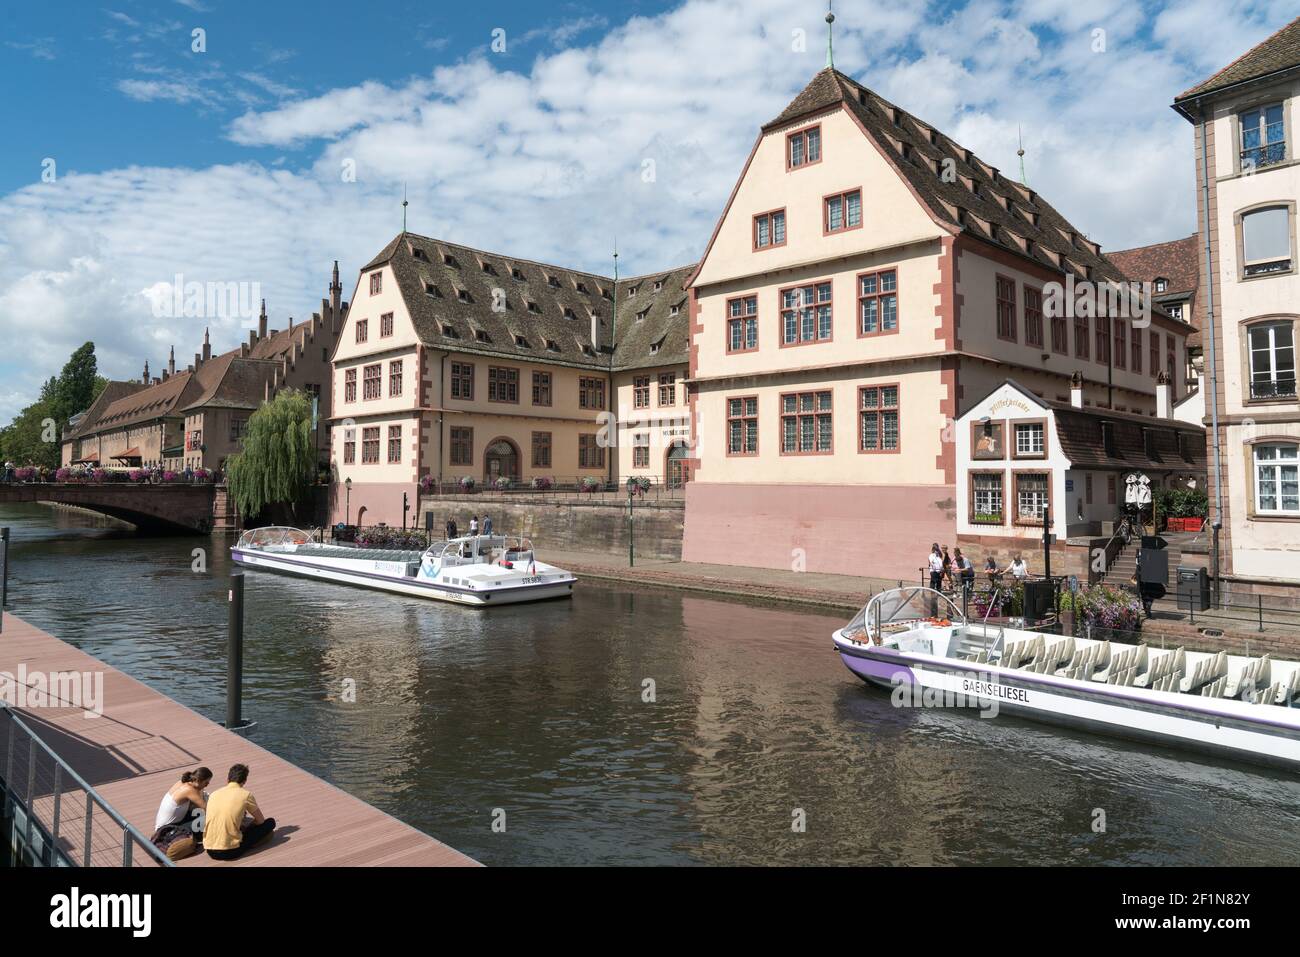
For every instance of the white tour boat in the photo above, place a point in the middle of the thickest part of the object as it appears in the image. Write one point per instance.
(1235, 706)
(478, 570)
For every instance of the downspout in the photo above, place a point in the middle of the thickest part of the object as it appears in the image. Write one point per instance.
(442, 387)
(1217, 525)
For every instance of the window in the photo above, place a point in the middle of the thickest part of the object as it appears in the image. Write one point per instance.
(806, 314)
(1031, 496)
(1162, 285)
(1277, 485)
(804, 147)
(349, 446)
(1081, 337)
(350, 385)
(1121, 343)
(742, 324)
(541, 450)
(1030, 440)
(372, 382)
(1175, 311)
(1263, 137)
(842, 211)
(986, 498)
(878, 418)
(1135, 353)
(878, 303)
(503, 384)
(541, 388)
(462, 380)
(1034, 317)
(237, 427)
(667, 388)
(641, 450)
(641, 392)
(1103, 339)
(462, 446)
(394, 443)
(1111, 491)
(1060, 336)
(590, 454)
(591, 393)
(1006, 298)
(769, 229)
(1155, 354)
(395, 378)
(806, 423)
(376, 283)
(1272, 360)
(385, 325)
(742, 425)
(363, 330)
(370, 446)
(1265, 240)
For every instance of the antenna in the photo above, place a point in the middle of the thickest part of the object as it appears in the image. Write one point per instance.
(830, 30)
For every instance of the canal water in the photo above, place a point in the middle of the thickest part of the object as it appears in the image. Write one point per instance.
(540, 712)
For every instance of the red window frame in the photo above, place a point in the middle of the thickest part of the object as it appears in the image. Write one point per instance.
(878, 411)
(799, 414)
(1121, 344)
(591, 454)
(350, 385)
(376, 282)
(770, 218)
(745, 320)
(1060, 335)
(591, 393)
(461, 445)
(503, 384)
(844, 211)
(641, 450)
(1154, 354)
(541, 450)
(395, 378)
(541, 388)
(385, 325)
(1102, 332)
(1033, 316)
(370, 445)
(880, 295)
(1082, 348)
(394, 444)
(1005, 300)
(803, 135)
(372, 382)
(1135, 351)
(815, 285)
(641, 392)
(668, 387)
(462, 380)
(363, 330)
(349, 447)
(745, 415)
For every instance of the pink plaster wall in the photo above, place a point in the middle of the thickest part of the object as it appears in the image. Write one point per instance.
(382, 501)
(878, 530)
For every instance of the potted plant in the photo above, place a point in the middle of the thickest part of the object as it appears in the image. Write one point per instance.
(541, 483)
(590, 484)
(504, 483)
(426, 483)
(467, 483)
(1065, 610)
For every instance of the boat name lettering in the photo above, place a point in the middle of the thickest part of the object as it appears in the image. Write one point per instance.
(992, 689)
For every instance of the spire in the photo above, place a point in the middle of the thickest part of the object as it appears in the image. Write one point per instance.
(1021, 153)
(261, 322)
(171, 362)
(145, 379)
(207, 346)
(830, 30)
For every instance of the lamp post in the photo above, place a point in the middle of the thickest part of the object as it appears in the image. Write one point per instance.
(347, 501)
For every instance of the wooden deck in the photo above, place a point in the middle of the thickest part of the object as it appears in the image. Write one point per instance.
(143, 741)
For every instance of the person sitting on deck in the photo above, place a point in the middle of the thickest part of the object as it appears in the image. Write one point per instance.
(226, 835)
(173, 832)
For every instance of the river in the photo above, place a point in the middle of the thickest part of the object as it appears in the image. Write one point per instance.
(540, 712)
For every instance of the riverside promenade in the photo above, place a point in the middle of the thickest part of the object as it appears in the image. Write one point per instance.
(141, 744)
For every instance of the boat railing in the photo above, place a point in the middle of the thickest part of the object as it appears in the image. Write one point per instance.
(62, 819)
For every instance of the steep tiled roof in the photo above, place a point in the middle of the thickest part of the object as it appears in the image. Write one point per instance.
(471, 300)
(1079, 432)
(1279, 52)
(960, 190)
(1178, 262)
(653, 325)
(235, 383)
(112, 392)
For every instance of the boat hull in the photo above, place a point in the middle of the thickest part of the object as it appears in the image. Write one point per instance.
(1219, 728)
(415, 587)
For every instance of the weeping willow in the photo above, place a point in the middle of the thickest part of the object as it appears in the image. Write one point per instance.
(278, 460)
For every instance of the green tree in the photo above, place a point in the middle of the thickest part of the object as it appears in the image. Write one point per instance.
(78, 383)
(278, 460)
(35, 436)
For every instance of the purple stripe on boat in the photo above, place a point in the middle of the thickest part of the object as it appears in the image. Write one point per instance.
(871, 668)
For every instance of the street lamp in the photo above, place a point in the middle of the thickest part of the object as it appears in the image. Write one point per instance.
(347, 500)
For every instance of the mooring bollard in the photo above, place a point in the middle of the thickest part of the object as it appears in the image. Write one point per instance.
(235, 652)
(4, 574)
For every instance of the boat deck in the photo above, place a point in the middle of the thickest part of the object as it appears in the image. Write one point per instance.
(143, 741)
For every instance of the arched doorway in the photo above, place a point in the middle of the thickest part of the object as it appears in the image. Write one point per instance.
(501, 458)
(677, 472)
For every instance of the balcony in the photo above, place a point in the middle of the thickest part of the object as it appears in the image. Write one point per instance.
(1273, 389)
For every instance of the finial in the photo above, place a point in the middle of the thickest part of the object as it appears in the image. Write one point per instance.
(830, 30)
(1021, 153)
(404, 205)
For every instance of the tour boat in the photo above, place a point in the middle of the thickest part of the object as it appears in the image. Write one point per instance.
(916, 641)
(477, 570)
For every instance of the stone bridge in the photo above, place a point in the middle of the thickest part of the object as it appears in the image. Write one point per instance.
(156, 508)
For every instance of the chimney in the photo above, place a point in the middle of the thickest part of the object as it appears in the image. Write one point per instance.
(1164, 397)
(207, 346)
(261, 322)
(1076, 390)
(197, 362)
(145, 379)
(252, 338)
(171, 362)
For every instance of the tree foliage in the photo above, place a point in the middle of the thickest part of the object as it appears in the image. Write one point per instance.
(278, 460)
(36, 433)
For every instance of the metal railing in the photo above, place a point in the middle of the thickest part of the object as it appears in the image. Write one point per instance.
(1273, 389)
(45, 799)
(565, 488)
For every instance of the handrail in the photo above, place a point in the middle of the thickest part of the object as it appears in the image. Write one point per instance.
(129, 831)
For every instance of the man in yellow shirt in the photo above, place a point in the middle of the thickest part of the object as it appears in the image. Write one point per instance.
(226, 834)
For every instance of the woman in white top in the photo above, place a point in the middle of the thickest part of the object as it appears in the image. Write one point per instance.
(185, 794)
(1018, 569)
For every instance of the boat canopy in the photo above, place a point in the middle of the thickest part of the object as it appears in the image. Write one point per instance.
(490, 549)
(273, 535)
(899, 609)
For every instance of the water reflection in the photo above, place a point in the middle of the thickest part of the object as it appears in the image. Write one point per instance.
(539, 711)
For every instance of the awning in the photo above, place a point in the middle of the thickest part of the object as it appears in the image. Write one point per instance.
(87, 459)
(133, 453)
(175, 452)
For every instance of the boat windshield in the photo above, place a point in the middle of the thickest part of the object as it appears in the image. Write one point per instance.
(899, 609)
(485, 549)
(272, 536)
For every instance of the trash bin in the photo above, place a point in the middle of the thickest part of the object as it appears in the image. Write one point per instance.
(1193, 588)
(1040, 598)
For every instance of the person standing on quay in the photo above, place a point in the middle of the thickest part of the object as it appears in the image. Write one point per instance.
(473, 525)
(452, 530)
(936, 567)
(487, 524)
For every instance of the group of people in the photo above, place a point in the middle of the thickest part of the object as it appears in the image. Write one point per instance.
(957, 569)
(453, 530)
(226, 823)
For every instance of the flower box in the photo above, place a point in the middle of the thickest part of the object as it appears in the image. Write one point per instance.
(1193, 524)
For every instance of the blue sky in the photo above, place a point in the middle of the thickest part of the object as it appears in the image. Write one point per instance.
(231, 164)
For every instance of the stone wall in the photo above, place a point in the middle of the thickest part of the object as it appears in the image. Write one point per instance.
(567, 525)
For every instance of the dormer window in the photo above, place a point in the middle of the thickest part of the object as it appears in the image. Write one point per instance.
(1161, 284)
(552, 345)
(569, 313)
(517, 273)
(588, 350)
(522, 342)
(640, 316)
(481, 336)
(533, 307)
(803, 148)
(580, 286)
(633, 290)
(659, 284)
(656, 346)
(418, 253)
(674, 309)
(464, 296)
(553, 282)
(449, 332)
(604, 293)
(488, 268)
(431, 290)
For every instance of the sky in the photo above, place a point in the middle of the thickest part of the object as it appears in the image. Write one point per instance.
(153, 144)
